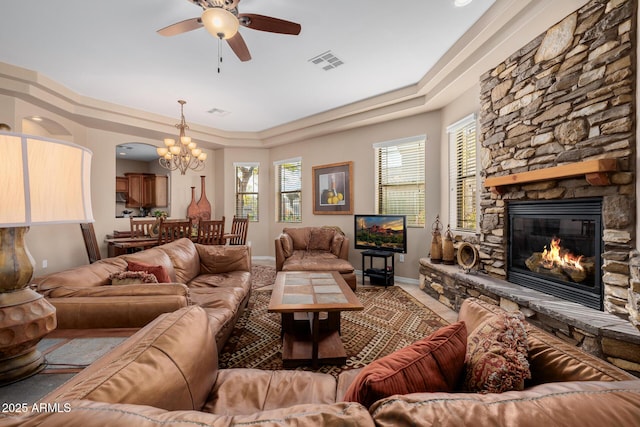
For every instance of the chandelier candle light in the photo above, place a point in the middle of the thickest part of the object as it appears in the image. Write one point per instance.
(184, 154)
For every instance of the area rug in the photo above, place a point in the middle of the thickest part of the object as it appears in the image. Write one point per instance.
(391, 319)
(262, 275)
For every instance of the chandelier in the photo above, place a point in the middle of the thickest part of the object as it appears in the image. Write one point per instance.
(184, 154)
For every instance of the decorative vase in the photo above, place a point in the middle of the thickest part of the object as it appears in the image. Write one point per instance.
(193, 213)
(204, 206)
(436, 242)
(447, 247)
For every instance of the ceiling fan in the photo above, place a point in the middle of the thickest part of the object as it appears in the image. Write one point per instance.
(221, 19)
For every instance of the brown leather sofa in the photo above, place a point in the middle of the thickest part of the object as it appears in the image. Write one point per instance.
(217, 278)
(315, 249)
(167, 375)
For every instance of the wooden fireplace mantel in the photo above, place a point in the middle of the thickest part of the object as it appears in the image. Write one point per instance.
(596, 172)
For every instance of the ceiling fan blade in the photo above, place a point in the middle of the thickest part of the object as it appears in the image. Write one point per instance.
(239, 47)
(181, 27)
(267, 23)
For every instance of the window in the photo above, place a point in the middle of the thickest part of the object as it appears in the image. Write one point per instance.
(247, 190)
(289, 189)
(462, 174)
(400, 178)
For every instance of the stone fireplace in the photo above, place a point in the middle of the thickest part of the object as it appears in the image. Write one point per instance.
(557, 127)
(555, 247)
(565, 100)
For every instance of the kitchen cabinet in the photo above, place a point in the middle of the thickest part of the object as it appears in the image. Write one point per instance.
(147, 190)
(122, 184)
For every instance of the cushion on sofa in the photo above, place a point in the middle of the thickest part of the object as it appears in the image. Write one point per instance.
(434, 363)
(172, 363)
(299, 236)
(336, 243)
(320, 239)
(132, 278)
(153, 256)
(157, 270)
(184, 256)
(497, 352)
(246, 391)
(96, 274)
(287, 244)
(303, 261)
(216, 259)
(578, 403)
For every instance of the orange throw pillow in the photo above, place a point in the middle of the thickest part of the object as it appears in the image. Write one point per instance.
(432, 364)
(157, 270)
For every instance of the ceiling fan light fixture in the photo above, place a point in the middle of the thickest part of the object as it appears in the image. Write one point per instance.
(220, 23)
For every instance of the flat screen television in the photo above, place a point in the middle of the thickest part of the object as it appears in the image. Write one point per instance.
(381, 232)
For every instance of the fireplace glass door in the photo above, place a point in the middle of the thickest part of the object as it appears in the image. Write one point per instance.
(555, 247)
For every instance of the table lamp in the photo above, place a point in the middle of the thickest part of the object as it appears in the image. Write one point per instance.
(42, 181)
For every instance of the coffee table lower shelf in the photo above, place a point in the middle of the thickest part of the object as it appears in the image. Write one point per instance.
(297, 350)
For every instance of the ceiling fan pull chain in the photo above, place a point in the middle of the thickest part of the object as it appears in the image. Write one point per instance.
(219, 55)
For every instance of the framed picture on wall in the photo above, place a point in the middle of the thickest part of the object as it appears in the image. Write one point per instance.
(333, 189)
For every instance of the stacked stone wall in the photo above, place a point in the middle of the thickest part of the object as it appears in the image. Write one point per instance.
(567, 96)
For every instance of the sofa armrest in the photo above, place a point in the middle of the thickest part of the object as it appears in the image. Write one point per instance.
(280, 258)
(344, 249)
(140, 289)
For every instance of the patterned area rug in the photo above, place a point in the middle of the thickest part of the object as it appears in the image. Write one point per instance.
(262, 275)
(391, 319)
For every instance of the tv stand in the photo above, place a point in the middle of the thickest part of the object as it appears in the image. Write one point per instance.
(378, 276)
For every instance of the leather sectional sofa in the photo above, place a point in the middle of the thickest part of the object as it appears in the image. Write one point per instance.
(167, 375)
(315, 249)
(216, 278)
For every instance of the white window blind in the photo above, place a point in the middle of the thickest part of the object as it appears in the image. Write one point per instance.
(400, 179)
(463, 179)
(246, 175)
(289, 189)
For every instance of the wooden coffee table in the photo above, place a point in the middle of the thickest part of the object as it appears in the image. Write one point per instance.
(308, 335)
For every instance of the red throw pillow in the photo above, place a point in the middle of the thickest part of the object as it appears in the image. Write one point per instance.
(157, 270)
(497, 355)
(432, 364)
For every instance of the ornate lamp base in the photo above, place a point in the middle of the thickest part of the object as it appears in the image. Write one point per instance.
(25, 317)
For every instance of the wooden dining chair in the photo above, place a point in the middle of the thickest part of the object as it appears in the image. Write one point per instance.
(210, 232)
(239, 228)
(141, 227)
(171, 230)
(90, 242)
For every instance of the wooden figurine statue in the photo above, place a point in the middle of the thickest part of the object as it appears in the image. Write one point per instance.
(436, 241)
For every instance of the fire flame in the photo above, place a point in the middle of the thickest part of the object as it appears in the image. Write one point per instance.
(558, 256)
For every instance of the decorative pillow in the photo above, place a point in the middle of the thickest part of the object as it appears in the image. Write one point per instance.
(157, 270)
(497, 355)
(299, 236)
(432, 364)
(336, 244)
(132, 277)
(320, 239)
(287, 245)
(217, 259)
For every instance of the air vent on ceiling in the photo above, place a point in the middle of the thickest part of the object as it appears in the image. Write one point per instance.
(218, 112)
(327, 61)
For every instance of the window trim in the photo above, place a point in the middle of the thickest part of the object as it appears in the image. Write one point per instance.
(257, 193)
(452, 181)
(276, 165)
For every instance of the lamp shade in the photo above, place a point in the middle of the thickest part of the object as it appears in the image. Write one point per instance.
(43, 181)
(220, 22)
